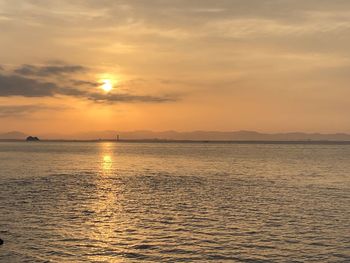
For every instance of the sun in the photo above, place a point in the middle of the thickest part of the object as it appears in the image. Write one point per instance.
(107, 85)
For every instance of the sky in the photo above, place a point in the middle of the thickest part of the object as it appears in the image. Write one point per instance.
(265, 65)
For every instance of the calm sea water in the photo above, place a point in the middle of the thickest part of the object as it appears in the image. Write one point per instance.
(169, 202)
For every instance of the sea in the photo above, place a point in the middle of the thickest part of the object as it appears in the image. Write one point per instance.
(174, 202)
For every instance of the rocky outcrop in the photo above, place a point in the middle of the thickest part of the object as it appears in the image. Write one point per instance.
(32, 139)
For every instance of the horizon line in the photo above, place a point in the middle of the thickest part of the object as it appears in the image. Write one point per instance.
(190, 131)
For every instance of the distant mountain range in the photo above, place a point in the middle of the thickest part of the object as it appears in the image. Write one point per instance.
(14, 135)
(194, 135)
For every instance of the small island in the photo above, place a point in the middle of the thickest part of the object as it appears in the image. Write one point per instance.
(32, 139)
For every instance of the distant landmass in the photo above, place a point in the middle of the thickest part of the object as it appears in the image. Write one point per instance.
(13, 135)
(32, 139)
(194, 135)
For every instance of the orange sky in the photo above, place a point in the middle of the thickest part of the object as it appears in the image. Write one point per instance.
(270, 66)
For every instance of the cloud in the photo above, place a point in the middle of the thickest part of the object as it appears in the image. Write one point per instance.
(20, 85)
(85, 83)
(13, 85)
(112, 98)
(50, 70)
(189, 14)
(23, 110)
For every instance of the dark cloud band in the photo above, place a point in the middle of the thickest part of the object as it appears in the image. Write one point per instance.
(26, 81)
(13, 85)
(43, 71)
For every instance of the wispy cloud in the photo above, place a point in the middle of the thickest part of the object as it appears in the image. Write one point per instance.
(85, 83)
(131, 98)
(33, 70)
(7, 111)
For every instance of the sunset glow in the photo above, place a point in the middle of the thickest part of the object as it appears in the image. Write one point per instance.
(207, 65)
(174, 130)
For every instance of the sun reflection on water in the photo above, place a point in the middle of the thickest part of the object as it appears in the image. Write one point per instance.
(106, 159)
(105, 205)
(107, 163)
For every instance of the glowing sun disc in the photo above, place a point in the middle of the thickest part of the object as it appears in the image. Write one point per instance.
(107, 85)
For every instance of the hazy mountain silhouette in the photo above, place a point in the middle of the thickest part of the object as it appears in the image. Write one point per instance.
(201, 135)
(13, 135)
(194, 135)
